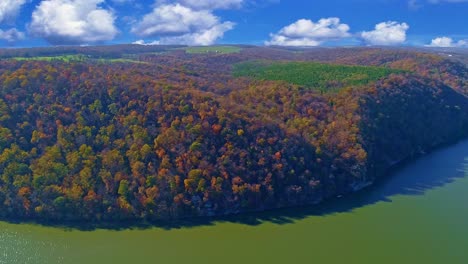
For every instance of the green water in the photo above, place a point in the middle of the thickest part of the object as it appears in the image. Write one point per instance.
(419, 215)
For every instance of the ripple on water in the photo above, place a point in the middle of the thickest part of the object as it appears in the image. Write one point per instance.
(22, 248)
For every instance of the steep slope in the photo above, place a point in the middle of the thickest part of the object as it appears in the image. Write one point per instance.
(406, 117)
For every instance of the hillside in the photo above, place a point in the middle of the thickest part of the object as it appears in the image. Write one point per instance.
(148, 133)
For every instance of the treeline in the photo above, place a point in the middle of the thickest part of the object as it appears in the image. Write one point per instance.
(107, 52)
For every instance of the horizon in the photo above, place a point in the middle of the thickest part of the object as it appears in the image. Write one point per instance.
(243, 45)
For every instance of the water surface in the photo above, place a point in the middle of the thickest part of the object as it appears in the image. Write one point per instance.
(418, 215)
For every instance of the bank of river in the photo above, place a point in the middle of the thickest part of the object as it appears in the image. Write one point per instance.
(417, 215)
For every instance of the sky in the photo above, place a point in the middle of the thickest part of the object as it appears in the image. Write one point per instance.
(435, 23)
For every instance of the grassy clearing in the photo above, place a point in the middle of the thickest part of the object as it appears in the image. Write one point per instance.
(76, 58)
(317, 76)
(213, 49)
(65, 58)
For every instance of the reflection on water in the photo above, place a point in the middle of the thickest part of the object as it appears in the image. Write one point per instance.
(426, 173)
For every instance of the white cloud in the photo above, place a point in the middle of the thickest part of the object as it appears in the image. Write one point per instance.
(73, 22)
(173, 20)
(9, 9)
(11, 35)
(386, 33)
(416, 4)
(178, 24)
(462, 43)
(447, 1)
(442, 42)
(139, 42)
(206, 4)
(305, 32)
(203, 38)
(446, 42)
(121, 1)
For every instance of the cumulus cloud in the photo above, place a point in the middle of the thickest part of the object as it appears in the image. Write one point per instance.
(446, 42)
(179, 24)
(9, 9)
(204, 37)
(73, 21)
(386, 33)
(207, 4)
(139, 42)
(11, 35)
(305, 32)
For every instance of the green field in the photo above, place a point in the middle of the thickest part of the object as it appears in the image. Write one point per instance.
(313, 75)
(76, 58)
(213, 49)
(65, 58)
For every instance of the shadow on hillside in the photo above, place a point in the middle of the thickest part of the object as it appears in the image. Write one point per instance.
(429, 172)
(435, 170)
(415, 178)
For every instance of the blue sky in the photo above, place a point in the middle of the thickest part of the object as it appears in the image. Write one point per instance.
(26, 23)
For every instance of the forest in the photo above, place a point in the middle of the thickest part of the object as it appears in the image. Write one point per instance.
(145, 133)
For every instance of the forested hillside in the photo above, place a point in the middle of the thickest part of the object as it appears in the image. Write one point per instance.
(143, 133)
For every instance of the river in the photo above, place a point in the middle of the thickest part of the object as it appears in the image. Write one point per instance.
(417, 215)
